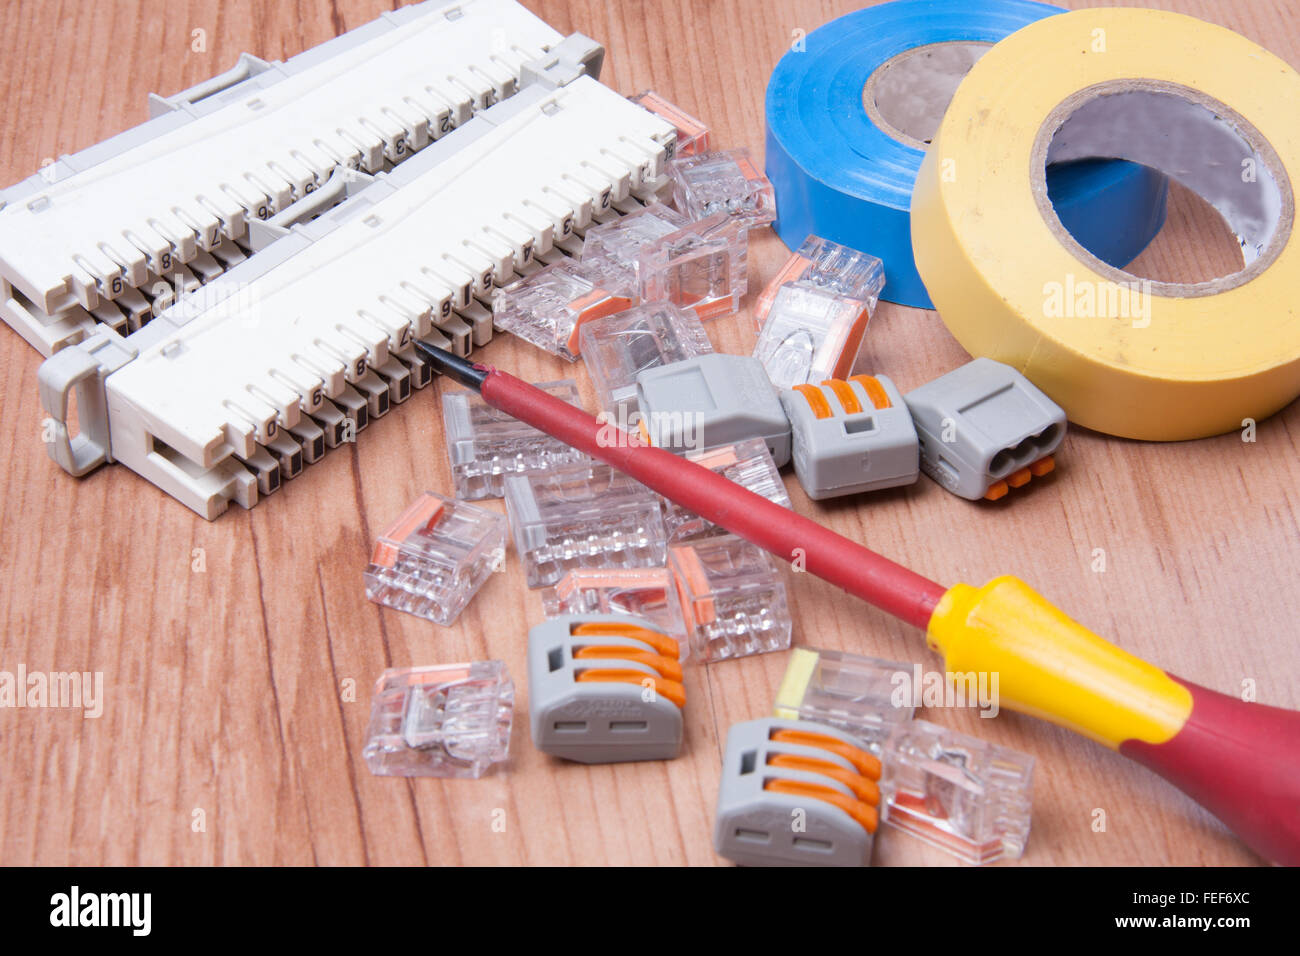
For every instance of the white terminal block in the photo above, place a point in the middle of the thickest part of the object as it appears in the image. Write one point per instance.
(319, 325)
(99, 236)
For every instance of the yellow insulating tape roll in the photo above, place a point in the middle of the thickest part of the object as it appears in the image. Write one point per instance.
(1159, 361)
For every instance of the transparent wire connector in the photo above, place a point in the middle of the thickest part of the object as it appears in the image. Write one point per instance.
(811, 335)
(748, 463)
(449, 720)
(723, 182)
(616, 246)
(618, 347)
(435, 557)
(692, 134)
(854, 693)
(702, 266)
(831, 266)
(485, 444)
(957, 792)
(584, 515)
(645, 593)
(548, 307)
(732, 596)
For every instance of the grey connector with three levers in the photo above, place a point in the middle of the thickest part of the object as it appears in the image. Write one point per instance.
(796, 793)
(851, 436)
(604, 688)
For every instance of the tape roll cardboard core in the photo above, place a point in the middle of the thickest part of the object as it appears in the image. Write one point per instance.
(907, 95)
(1190, 137)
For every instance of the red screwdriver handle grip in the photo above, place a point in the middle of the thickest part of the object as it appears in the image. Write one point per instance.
(1239, 760)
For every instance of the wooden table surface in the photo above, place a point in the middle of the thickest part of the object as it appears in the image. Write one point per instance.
(236, 696)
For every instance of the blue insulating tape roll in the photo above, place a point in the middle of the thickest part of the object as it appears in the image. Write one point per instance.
(839, 177)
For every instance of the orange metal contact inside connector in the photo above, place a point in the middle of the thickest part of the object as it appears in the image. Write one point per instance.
(1020, 477)
(849, 344)
(666, 666)
(868, 765)
(662, 643)
(713, 309)
(718, 458)
(668, 689)
(691, 578)
(646, 579)
(863, 813)
(864, 788)
(596, 304)
(792, 271)
(748, 170)
(421, 516)
(918, 815)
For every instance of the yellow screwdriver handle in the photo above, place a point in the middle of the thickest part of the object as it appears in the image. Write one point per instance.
(1239, 760)
(1052, 667)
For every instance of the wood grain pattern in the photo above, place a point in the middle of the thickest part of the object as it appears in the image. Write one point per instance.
(226, 689)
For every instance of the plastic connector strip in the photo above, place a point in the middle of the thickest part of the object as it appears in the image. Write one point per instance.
(485, 444)
(957, 792)
(733, 597)
(703, 266)
(725, 182)
(315, 331)
(811, 335)
(692, 134)
(435, 557)
(108, 234)
(853, 693)
(617, 348)
(830, 266)
(549, 307)
(450, 720)
(748, 463)
(645, 593)
(584, 515)
(617, 245)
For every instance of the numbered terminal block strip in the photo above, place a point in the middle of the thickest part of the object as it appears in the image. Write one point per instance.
(314, 335)
(111, 233)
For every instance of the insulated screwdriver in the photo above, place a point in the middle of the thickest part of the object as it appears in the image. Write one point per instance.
(1239, 760)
